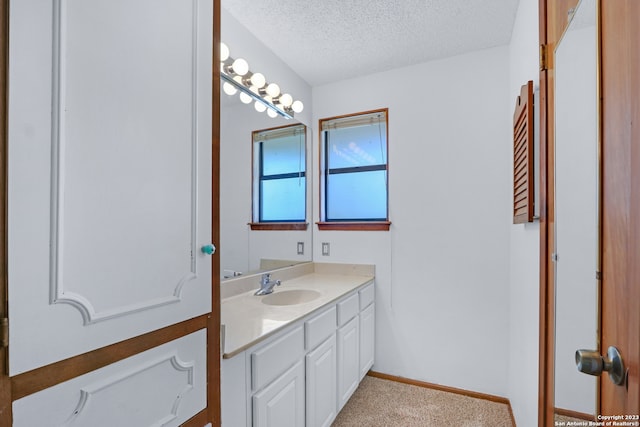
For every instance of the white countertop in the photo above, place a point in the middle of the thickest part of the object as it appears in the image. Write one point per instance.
(248, 320)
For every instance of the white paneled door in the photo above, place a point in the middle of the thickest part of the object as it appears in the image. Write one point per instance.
(109, 172)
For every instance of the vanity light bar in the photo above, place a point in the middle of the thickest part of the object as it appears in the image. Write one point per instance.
(256, 97)
(237, 74)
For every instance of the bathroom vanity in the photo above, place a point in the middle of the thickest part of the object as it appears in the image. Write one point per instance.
(295, 357)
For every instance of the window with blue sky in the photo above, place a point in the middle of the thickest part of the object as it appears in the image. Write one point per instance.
(354, 183)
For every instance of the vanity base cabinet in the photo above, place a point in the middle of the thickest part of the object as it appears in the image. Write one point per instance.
(348, 360)
(367, 339)
(303, 375)
(281, 403)
(321, 384)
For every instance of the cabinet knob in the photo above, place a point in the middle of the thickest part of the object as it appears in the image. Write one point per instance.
(208, 249)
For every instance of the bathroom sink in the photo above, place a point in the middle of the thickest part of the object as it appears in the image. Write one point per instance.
(290, 297)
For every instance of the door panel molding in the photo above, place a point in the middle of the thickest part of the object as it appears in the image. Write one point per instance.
(31, 382)
(162, 386)
(68, 62)
(112, 169)
(92, 392)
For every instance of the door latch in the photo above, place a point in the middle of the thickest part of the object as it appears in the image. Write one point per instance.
(4, 332)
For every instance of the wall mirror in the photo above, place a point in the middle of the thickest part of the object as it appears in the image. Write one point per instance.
(244, 250)
(577, 258)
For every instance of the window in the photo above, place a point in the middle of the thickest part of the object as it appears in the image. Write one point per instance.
(279, 178)
(354, 181)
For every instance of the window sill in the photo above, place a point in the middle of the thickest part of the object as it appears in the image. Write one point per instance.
(355, 226)
(279, 226)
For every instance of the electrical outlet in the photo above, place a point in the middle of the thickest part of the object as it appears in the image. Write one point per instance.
(325, 248)
(300, 248)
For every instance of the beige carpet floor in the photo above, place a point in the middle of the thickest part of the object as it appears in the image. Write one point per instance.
(383, 403)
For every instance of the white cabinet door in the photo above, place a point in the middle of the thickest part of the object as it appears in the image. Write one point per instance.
(367, 339)
(348, 360)
(109, 172)
(321, 384)
(281, 403)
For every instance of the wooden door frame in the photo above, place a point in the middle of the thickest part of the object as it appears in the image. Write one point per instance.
(13, 388)
(553, 21)
(552, 24)
(5, 384)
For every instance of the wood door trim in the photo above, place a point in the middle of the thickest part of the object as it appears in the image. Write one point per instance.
(575, 414)
(552, 23)
(545, 371)
(47, 376)
(213, 328)
(5, 383)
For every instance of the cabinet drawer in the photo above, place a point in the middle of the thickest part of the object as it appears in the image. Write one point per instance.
(319, 328)
(273, 359)
(348, 309)
(367, 295)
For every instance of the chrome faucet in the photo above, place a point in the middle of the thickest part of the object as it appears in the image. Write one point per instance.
(266, 285)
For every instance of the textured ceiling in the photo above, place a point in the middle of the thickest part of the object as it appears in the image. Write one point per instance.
(330, 40)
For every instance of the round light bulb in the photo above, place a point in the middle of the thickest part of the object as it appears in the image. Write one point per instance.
(273, 90)
(246, 99)
(240, 67)
(259, 106)
(229, 89)
(297, 106)
(272, 113)
(224, 52)
(286, 100)
(258, 80)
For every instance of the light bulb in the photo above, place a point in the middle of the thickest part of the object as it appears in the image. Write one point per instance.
(246, 99)
(297, 106)
(258, 80)
(229, 89)
(273, 90)
(224, 52)
(272, 113)
(286, 100)
(240, 67)
(268, 99)
(259, 106)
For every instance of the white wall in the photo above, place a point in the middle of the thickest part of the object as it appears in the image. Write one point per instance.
(442, 270)
(524, 266)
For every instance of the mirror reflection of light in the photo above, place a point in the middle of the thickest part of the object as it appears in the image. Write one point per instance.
(229, 89)
(246, 99)
(224, 52)
(260, 107)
